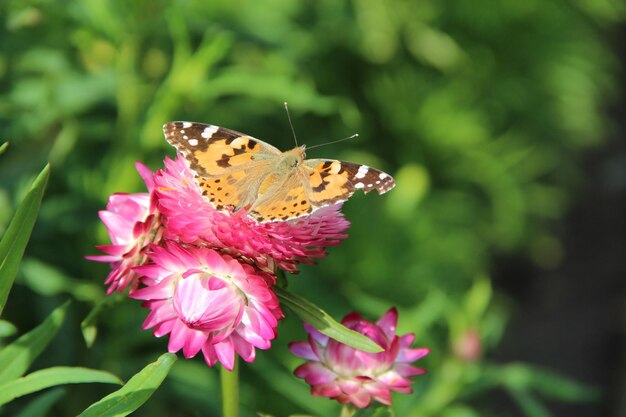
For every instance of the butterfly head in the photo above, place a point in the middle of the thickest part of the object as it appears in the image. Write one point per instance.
(294, 157)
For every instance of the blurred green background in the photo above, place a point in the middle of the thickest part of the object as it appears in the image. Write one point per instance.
(483, 111)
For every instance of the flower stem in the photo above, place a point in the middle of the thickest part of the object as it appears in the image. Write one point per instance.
(347, 411)
(230, 390)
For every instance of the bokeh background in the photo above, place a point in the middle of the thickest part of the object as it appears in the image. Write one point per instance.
(502, 122)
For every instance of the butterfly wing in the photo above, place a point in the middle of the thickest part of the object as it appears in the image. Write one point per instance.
(229, 166)
(330, 181)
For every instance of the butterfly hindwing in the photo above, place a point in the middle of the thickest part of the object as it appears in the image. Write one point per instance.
(289, 201)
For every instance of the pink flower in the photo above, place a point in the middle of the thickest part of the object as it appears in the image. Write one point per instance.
(208, 302)
(133, 224)
(468, 347)
(191, 219)
(352, 376)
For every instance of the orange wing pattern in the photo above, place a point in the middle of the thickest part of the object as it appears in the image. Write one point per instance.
(237, 171)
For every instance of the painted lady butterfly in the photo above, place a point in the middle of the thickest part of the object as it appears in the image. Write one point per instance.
(237, 171)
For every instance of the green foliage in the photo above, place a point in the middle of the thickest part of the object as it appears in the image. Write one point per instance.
(310, 313)
(482, 111)
(15, 238)
(135, 392)
(16, 358)
(40, 406)
(51, 377)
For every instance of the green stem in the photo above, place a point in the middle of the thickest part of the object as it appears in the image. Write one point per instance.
(347, 411)
(230, 390)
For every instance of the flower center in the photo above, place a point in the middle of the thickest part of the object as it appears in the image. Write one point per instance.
(208, 302)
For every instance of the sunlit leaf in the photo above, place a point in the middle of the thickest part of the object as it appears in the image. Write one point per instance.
(323, 322)
(14, 241)
(135, 392)
(17, 357)
(50, 377)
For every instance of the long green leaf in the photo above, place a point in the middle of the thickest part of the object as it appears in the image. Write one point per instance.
(17, 357)
(51, 377)
(14, 241)
(135, 392)
(322, 321)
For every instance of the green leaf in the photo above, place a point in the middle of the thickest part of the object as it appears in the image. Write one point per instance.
(3, 147)
(51, 377)
(17, 357)
(56, 281)
(135, 392)
(318, 318)
(16, 237)
(7, 329)
(40, 406)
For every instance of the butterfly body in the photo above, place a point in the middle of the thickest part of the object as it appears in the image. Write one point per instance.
(236, 171)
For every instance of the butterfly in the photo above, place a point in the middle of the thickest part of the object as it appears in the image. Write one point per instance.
(236, 171)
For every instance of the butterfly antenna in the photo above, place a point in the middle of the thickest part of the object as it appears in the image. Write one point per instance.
(291, 124)
(334, 141)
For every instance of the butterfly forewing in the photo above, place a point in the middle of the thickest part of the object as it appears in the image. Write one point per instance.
(213, 150)
(223, 160)
(334, 181)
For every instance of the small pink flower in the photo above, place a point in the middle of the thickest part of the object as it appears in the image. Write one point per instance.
(191, 219)
(133, 224)
(208, 302)
(352, 376)
(468, 346)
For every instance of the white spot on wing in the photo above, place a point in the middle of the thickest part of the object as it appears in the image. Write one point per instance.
(359, 185)
(209, 131)
(193, 142)
(362, 171)
(186, 124)
(382, 175)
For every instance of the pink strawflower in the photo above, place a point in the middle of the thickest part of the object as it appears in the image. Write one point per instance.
(191, 219)
(349, 375)
(208, 302)
(133, 224)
